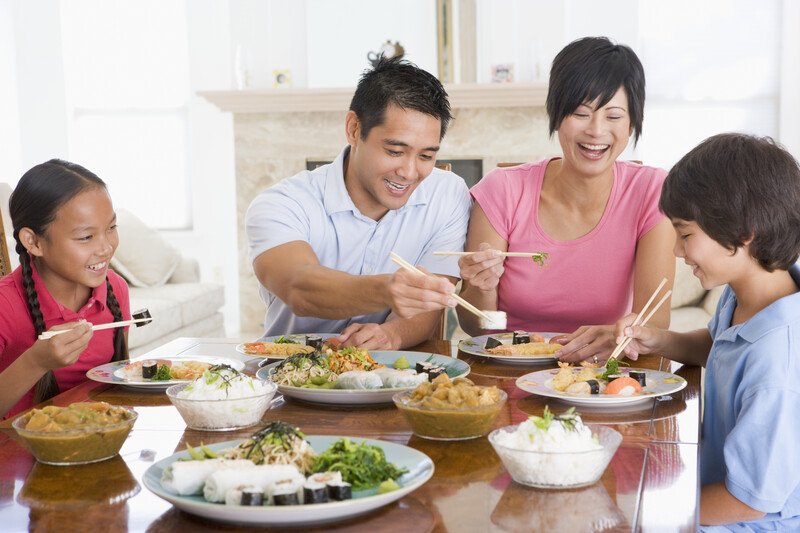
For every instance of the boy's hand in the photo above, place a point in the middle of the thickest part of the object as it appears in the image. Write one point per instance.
(64, 349)
(645, 339)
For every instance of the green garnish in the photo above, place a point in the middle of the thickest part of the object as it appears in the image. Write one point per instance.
(539, 258)
(163, 373)
(612, 367)
(567, 419)
(202, 454)
(388, 486)
(283, 340)
(362, 465)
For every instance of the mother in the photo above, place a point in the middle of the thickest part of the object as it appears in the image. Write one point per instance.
(596, 217)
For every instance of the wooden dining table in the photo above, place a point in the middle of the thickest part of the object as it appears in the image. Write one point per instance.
(651, 483)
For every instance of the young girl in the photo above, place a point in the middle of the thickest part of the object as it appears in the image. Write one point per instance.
(66, 233)
(733, 201)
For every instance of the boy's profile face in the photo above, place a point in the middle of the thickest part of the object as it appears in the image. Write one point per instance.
(711, 263)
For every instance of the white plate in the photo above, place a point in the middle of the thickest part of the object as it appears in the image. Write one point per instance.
(372, 396)
(297, 338)
(113, 372)
(475, 346)
(540, 383)
(420, 469)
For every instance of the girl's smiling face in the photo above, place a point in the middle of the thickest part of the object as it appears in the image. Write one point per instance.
(76, 247)
(591, 138)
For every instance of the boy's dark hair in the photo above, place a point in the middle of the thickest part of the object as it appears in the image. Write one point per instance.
(594, 68)
(399, 82)
(735, 187)
(34, 204)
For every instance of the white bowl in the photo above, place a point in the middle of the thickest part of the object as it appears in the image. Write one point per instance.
(222, 415)
(567, 469)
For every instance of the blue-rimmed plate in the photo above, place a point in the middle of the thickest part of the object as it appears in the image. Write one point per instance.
(477, 346)
(117, 373)
(658, 384)
(420, 469)
(252, 348)
(455, 368)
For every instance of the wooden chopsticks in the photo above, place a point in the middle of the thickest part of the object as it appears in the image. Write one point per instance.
(641, 322)
(468, 306)
(50, 334)
(541, 255)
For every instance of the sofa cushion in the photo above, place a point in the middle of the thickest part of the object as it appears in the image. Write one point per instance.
(166, 318)
(143, 257)
(688, 319)
(194, 301)
(687, 290)
(711, 300)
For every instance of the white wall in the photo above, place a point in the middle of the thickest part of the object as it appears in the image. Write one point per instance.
(11, 153)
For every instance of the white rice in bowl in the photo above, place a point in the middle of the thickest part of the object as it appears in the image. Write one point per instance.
(557, 454)
(222, 399)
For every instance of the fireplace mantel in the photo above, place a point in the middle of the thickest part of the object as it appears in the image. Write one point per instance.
(462, 96)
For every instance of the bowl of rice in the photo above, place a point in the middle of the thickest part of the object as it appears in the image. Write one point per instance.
(222, 399)
(555, 451)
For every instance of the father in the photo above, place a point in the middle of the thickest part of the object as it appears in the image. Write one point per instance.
(320, 240)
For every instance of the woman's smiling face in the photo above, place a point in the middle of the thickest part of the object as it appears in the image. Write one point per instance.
(591, 138)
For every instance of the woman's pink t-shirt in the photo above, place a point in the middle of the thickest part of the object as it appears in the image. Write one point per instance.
(586, 281)
(17, 333)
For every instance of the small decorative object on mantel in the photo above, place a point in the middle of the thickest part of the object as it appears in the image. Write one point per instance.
(281, 78)
(503, 73)
(388, 49)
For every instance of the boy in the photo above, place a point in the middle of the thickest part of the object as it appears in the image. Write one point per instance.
(734, 202)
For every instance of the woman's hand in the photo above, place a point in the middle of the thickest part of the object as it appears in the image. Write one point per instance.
(369, 337)
(483, 268)
(61, 350)
(593, 343)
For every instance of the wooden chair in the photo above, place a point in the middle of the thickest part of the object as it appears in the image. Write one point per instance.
(5, 259)
(444, 166)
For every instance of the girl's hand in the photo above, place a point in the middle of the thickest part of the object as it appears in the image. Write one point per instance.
(592, 343)
(645, 339)
(483, 268)
(64, 349)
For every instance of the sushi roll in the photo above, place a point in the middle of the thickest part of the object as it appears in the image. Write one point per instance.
(285, 491)
(521, 337)
(340, 491)
(432, 370)
(639, 376)
(149, 369)
(612, 377)
(624, 386)
(252, 496)
(584, 388)
(491, 342)
(326, 477)
(314, 492)
(315, 341)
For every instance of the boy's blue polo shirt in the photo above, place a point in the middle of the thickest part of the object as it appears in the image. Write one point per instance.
(315, 207)
(751, 425)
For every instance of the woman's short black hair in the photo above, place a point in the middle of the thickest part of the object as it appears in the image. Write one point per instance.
(399, 82)
(594, 68)
(737, 186)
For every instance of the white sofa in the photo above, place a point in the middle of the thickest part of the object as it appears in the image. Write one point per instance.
(160, 279)
(692, 305)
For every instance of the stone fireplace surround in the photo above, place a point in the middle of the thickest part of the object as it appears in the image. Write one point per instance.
(277, 131)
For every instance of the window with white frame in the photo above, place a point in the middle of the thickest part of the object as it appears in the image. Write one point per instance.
(126, 70)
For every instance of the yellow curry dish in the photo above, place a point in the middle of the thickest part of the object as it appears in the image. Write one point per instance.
(83, 432)
(446, 409)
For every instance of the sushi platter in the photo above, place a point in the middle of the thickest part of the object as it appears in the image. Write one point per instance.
(270, 346)
(454, 368)
(418, 465)
(481, 344)
(657, 384)
(121, 372)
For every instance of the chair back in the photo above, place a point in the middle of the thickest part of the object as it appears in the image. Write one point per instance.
(444, 166)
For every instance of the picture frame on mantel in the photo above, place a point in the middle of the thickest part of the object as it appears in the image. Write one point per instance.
(444, 41)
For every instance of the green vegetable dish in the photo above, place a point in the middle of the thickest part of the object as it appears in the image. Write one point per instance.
(362, 465)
